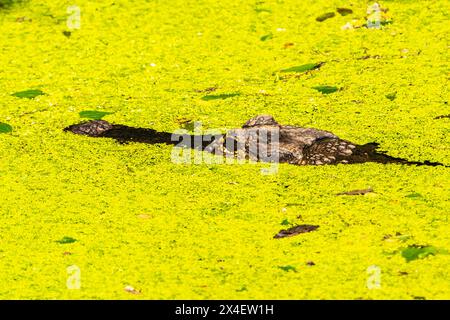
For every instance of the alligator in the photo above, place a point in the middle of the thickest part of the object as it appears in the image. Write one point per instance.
(261, 139)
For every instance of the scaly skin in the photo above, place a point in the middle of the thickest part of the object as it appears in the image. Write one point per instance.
(260, 139)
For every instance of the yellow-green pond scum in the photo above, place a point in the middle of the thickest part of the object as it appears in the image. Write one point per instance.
(85, 218)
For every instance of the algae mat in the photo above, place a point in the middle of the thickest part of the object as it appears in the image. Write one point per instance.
(88, 218)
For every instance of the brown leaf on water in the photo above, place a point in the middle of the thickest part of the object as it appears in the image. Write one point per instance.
(344, 11)
(304, 228)
(325, 16)
(355, 192)
(210, 89)
(182, 121)
(131, 290)
(369, 57)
